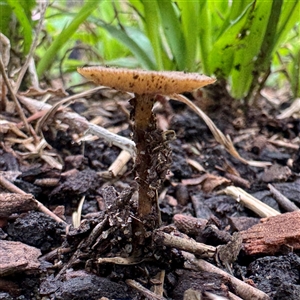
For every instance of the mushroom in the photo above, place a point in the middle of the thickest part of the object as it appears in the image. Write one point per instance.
(153, 155)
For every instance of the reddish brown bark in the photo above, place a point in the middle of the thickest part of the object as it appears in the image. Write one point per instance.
(273, 235)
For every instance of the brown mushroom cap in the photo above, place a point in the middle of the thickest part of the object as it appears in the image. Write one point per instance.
(145, 82)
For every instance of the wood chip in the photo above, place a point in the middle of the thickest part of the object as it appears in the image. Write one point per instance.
(17, 257)
(15, 203)
(273, 234)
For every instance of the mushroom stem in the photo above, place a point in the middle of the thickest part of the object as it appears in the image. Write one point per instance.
(143, 132)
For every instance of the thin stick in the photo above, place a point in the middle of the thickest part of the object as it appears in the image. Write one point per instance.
(13, 96)
(147, 293)
(244, 290)
(191, 245)
(233, 296)
(260, 208)
(14, 189)
(159, 289)
(79, 121)
(283, 201)
(117, 166)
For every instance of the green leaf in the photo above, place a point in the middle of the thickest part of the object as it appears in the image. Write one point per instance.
(5, 19)
(144, 55)
(205, 36)
(25, 23)
(290, 15)
(221, 57)
(65, 35)
(295, 71)
(250, 42)
(152, 21)
(190, 25)
(264, 58)
(173, 32)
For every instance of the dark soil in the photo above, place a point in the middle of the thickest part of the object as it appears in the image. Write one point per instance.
(71, 265)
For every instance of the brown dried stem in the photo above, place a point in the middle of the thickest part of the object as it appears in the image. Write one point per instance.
(13, 96)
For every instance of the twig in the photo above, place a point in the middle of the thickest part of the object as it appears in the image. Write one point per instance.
(115, 139)
(117, 166)
(283, 144)
(244, 290)
(295, 107)
(12, 188)
(147, 293)
(13, 96)
(260, 208)
(191, 245)
(238, 180)
(212, 296)
(80, 122)
(283, 201)
(118, 260)
(53, 109)
(233, 296)
(159, 288)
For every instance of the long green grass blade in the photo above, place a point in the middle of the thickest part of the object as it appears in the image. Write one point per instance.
(295, 72)
(264, 58)
(25, 23)
(152, 21)
(173, 32)
(221, 57)
(142, 54)
(190, 25)
(5, 19)
(65, 35)
(250, 42)
(290, 15)
(205, 36)
(234, 12)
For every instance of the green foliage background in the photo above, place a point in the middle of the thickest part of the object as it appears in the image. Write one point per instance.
(240, 41)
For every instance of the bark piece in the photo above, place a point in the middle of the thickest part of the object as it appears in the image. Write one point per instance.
(17, 257)
(276, 173)
(188, 224)
(15, 203)
(242, 223)
(273, 234)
